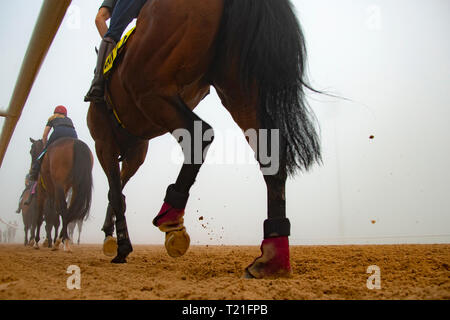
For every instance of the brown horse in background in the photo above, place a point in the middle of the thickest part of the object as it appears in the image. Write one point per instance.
(253, 53)
(66, 165)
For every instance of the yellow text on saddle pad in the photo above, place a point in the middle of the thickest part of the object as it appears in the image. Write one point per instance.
(43, 184)
(109, 63)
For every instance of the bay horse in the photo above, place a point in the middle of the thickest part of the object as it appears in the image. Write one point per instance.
(253, 53)
(66, 165)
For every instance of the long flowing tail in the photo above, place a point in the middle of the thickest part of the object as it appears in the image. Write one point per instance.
(267, 40)
(80, 203)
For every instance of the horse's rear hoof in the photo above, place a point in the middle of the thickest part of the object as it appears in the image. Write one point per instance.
(36, 246)
(31, 243)
(56, 245)
(273, 262)
(177, 242)
(124, 248)
(67, 246)
(119, 259)
(110, 246)
(45, 244)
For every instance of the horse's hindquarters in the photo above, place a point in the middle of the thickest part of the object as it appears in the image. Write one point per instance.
(174, 43)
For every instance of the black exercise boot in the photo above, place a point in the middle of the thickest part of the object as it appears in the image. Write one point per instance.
(96, 92)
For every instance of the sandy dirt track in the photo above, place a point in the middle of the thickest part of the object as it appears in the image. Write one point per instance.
(213, 272)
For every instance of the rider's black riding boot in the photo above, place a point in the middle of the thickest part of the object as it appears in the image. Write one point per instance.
(34, 173)
(19, 208)
(35, 168)
(96, 92)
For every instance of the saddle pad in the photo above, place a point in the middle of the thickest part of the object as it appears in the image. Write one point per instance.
(109, 63)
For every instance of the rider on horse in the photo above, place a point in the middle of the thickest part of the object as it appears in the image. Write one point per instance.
(123, 12)
(62, 127)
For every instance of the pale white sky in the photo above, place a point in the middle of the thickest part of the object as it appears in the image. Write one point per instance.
(391, 58)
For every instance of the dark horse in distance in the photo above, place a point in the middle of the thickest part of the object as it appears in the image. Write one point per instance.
(66, 166)
(253, 53)
(28, 212)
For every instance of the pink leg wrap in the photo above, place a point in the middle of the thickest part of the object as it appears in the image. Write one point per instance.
(171, 221)
(169, 218)
(274, 261)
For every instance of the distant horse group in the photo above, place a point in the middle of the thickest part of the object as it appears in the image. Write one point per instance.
(62, 193)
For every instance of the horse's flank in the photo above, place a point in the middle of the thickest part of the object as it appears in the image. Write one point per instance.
(179, 56)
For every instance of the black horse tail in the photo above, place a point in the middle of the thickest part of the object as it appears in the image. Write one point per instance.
(80, 203)
(266, 39)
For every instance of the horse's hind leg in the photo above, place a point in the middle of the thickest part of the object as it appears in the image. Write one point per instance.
(194, 135)
(48, 229)
(274, 260)
(80, 226)
(48, 224)
(25, 229)
(37, 236)
(56, 226)
(26, 226)
(37, 220)
(61, 210)
(269, 150)
(34, 220)
(70, 229)
(32, 231)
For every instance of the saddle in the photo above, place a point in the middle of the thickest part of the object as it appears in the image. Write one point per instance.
(115, 53)
(108, 67)
(111, 61)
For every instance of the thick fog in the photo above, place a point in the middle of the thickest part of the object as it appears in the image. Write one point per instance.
(385, 175)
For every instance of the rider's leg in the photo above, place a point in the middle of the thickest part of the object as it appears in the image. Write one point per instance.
(124, 12)
(96, 91)
(19, 208)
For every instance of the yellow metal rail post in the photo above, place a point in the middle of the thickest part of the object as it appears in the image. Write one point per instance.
(50, 17)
